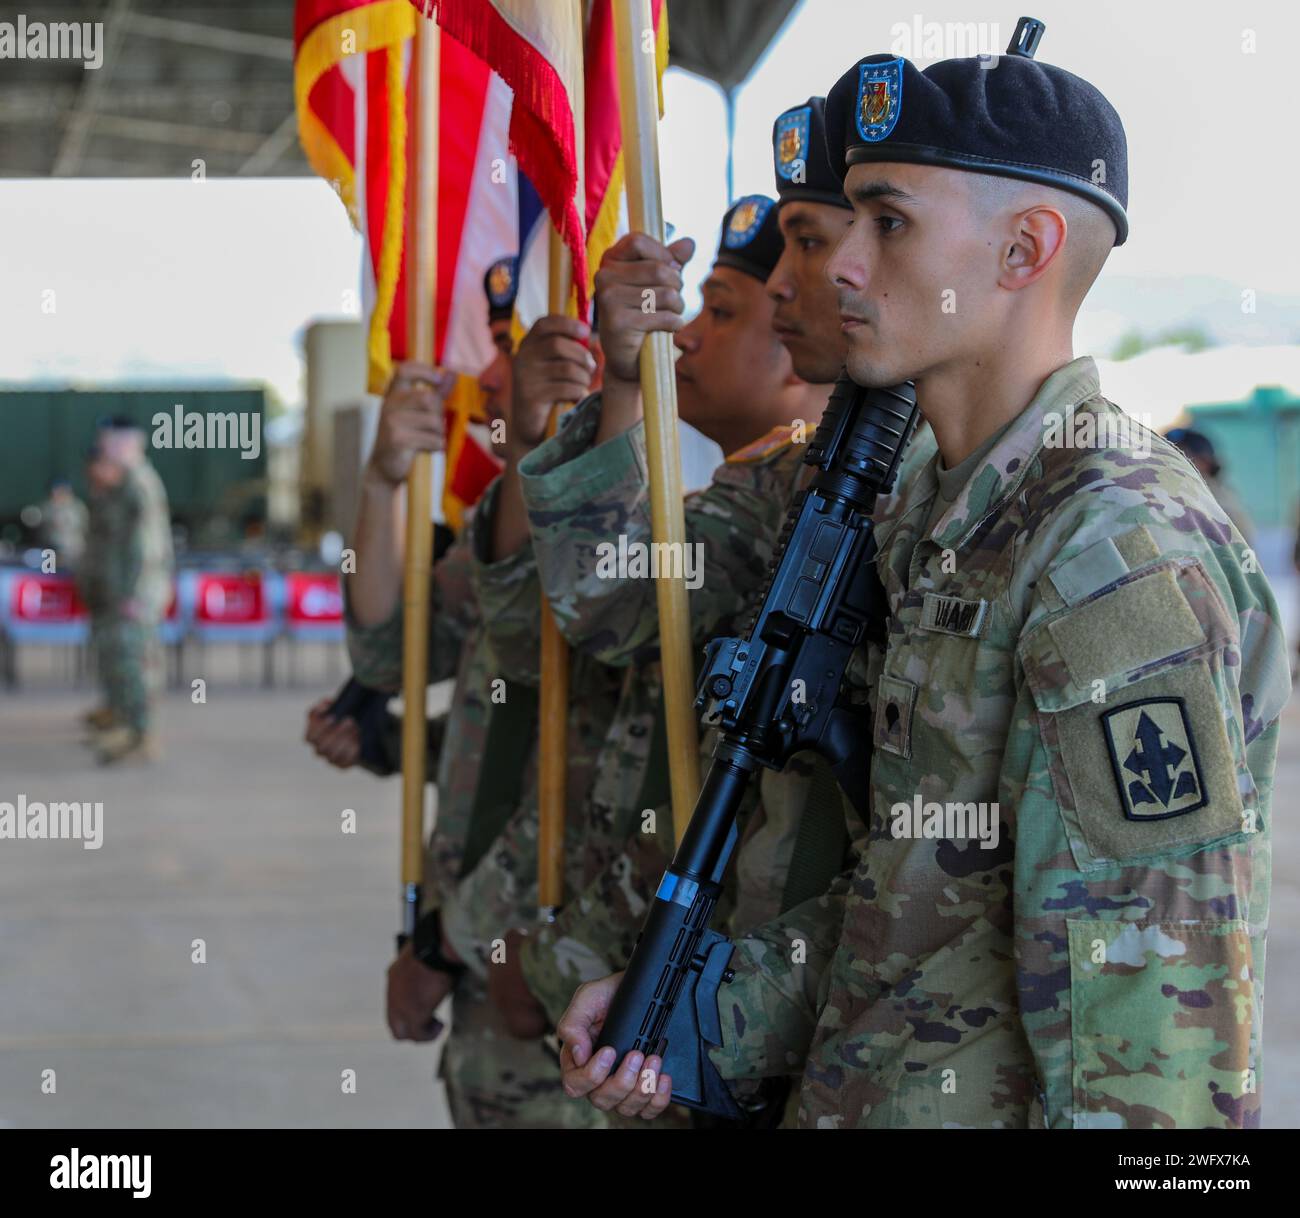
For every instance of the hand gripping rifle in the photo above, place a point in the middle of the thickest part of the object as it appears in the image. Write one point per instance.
(775, 692)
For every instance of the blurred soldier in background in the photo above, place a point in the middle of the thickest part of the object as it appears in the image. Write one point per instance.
(63, 525)
(1199, 450)
(100, 485)
(127, 583)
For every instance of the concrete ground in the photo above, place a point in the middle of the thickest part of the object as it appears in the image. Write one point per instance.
(234, 838)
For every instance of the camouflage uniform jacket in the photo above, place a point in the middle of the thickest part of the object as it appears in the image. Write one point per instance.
(492, 1079)
(1078, 649)
(91, 583)
(129, 547)
(456, 649)
(63, 529)
(578, 499)
(500, 891)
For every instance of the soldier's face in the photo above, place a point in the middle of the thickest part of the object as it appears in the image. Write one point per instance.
(807, 317)
(916, 274)
(104, 474)
(496, 379)
(731, 359)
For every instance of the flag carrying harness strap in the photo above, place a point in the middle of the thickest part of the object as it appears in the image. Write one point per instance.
(511, 737)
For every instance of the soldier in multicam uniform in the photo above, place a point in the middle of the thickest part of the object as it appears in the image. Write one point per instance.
(734, 381)
(1058, 912)
(1198, 448)
(487, 771)
(126, 579)
(63, 525)
(101, 482)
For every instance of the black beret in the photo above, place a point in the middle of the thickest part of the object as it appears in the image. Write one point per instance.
(803, 166)
(751, 237)
(501, 284)
(1194, 443)
(1009, 116)
(119, 422)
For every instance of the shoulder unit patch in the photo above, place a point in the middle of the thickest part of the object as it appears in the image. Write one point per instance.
(1154, 758)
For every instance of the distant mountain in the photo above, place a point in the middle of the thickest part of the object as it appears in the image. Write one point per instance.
(1119, 304)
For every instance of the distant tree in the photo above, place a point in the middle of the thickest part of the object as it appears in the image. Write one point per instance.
(1191, 338)
(275, 406)
(1131, 343)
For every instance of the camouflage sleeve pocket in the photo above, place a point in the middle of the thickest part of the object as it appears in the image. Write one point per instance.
(1162, 1024)
(1129, 690)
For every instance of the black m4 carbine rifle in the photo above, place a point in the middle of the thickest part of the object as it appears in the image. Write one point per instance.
(773, 693)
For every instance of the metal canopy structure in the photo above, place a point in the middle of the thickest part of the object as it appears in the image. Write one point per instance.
(184, 80)
(723, 39)
(180, 81)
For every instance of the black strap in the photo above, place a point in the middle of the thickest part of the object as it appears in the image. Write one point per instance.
(512, 728)
(656, 786)
(369, 708)
(821, 842)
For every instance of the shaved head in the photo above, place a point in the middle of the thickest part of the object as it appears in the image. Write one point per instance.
(946, 270)
(1090, 233)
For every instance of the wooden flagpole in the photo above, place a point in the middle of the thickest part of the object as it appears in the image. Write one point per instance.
(553, 697)
(422, 279)
(553, 708)
(638, 82)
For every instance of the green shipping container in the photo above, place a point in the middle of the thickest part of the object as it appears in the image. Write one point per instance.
(47, 432)
(1258, 443)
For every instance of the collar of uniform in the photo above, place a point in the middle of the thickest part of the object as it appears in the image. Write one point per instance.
(1006, 466)
(916, 495)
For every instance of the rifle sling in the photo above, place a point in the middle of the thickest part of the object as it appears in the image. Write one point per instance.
(656, 789)
(821, 842)
(511, 738)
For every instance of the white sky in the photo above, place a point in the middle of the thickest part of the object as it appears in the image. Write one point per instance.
(185, 282)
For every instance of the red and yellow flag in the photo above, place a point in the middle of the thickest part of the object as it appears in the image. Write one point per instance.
(538, 50)
(351, 87)
(604, 142)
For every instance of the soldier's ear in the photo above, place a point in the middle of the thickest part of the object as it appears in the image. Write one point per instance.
(1035, 240)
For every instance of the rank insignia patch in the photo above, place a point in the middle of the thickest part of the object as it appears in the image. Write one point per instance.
(880, 99)
(746, 221)
(792, 142)
(1154, 758)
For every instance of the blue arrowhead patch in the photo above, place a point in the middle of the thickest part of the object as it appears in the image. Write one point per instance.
(1154, 757)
